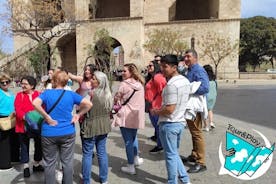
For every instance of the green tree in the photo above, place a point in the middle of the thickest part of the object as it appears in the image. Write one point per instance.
(37, 20)
(101, 50)
(217, 47)
(39, 57)
(257, 40)
(165, 41)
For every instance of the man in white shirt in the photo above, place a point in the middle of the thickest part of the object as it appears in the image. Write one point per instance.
(171, 118)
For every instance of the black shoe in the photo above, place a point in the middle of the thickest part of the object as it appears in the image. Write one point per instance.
(189, 159)
(38, 168)
(197, 168)
(153, 138)
(156, 150)
(26, 173)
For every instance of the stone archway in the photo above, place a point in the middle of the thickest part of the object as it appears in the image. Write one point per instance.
(107, 58)
(67, 51)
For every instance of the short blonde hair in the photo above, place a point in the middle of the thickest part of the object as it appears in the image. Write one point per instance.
(60, 78)
(4, 76)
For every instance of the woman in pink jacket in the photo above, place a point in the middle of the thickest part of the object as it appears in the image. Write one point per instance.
(131, 115)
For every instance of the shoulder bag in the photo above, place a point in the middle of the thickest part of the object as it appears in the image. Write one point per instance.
(33, 119)
(117, 107)
(7, 123)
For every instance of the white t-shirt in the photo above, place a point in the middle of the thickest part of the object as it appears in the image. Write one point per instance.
(176, 92)
(49, 86)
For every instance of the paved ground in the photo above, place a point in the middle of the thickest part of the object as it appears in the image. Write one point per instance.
(153, 170)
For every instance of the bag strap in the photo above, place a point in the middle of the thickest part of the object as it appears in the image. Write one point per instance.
(155, 88)
(155, 96)
(129, 97)
(59, 98)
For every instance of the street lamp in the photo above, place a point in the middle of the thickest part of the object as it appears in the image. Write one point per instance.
(193, 42)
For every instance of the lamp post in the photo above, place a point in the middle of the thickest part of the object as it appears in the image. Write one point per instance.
(193, 42)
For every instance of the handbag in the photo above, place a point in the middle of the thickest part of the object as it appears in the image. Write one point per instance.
(33, 119)
(117, 107)
(7, 123)
(148, 104)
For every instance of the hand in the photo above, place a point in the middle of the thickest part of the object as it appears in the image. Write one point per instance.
(153, 111)
(51, 122)
(75, 118)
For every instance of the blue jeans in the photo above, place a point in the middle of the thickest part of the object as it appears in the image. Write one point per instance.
(154, 122)
(131, 143)
(170, 135)
(87, 151)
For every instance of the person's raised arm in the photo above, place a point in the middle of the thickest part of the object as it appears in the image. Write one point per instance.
(76, 78)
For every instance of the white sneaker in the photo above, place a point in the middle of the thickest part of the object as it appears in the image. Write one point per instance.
(212, 125)
(206, 129)
(138, 161)
(59, 176)
(129, 169)
(105, 182)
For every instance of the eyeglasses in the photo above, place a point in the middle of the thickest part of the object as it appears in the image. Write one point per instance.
(5, 82)
(25, 84)
(149, 66)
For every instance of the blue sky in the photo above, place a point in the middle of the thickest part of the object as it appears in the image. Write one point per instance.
(249, 8)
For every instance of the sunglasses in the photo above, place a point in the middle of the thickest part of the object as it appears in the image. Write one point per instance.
(5, 82)
(150, 66)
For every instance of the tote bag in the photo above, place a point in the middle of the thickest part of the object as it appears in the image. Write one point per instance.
(7, 123)
(33, 121)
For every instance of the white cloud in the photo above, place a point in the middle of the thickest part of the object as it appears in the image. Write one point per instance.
(235, 141)
(259, 159)
(240, 156)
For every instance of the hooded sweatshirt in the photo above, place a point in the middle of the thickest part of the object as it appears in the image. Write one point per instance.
(132, 114)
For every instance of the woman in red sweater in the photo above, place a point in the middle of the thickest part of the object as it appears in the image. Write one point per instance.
(155, 82)
(22, 105)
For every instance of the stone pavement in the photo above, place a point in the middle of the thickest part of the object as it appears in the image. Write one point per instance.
(153, 170)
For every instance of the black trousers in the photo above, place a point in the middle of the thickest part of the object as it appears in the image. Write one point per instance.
(5, 153)
(15, 146)
(9, 148)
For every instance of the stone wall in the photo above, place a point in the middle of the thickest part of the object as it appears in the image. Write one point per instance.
(198, 28)
(144, 16)
(229, 9)
(129, 32)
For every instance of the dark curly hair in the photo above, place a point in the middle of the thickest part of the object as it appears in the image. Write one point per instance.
(210, 72)
(156, 70)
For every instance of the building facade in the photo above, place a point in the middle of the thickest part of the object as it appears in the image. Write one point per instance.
(129, 23)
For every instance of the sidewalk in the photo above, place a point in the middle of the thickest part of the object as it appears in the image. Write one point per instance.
(153, 170)
(239, 82)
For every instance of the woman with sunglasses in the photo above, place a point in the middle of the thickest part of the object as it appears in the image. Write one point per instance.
(153, 93)
(9, 144)
(130, 116)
